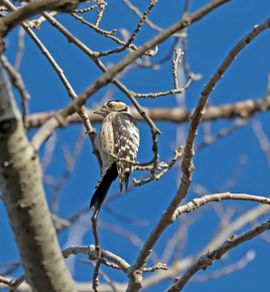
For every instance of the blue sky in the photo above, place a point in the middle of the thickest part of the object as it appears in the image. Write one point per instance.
(209, 41)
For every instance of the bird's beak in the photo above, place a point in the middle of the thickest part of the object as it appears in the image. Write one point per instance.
(99, 112)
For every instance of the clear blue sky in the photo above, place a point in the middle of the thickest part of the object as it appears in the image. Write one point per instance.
(208, 43)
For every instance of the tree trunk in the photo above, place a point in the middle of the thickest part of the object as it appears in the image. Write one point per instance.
(24, 198)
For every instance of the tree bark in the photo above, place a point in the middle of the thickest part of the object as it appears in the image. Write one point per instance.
(24, 198)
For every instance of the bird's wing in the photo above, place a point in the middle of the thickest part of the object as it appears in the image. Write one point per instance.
(126, 144)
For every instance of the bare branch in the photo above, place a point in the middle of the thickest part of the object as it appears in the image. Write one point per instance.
(177, 155)
(229, 269)
(137, 12)
(199, 202)
(84, 10)
(91, 251)
(17, 17)
(20, 51)
(17, 81)
(177, 90)
(102, 5)
(134, 34)
(103, 275)
(176, 62)
(242, 109)
(94, 219)
(210, 257)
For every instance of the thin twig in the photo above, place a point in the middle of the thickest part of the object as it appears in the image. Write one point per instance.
(134, 34)
(165, 93)
(17, 81)
(137, 12)
(94, 219)
(199, 202)
(262, 139)
(109, 34)
(20, 51)
(102, 274)
(210, 257)
(18, 16)
(177, 155)
(102, 5)
(92, 253)
(229, 269)
(176, 62)
(84, 10)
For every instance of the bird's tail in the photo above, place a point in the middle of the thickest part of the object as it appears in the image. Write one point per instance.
(104, 185)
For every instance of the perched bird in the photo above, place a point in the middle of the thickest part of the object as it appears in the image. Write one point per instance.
(118, 143)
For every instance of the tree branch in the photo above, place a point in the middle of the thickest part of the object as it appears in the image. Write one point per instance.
(242, 109)
(33, 8)
(199, 202)
(210, 257)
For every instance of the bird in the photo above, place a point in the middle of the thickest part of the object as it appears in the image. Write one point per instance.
(117, 143)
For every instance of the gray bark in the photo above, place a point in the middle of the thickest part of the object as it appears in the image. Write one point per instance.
(23, 195)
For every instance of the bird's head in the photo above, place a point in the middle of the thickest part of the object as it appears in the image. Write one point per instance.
(112, 106)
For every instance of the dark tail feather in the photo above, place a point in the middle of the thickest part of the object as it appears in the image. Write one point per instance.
(103, 187)
(126, 180)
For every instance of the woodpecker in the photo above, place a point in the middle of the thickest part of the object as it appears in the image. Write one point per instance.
(118, 143)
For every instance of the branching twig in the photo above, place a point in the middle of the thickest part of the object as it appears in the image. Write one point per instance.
(84, 10)
(92, 253)
(17, 81)
(13, 284)
(137, 12)
(109, 34)
(178, 154)
(18, 16)
(229, 269)
(150, 52)
(206, 260)
(165, 93)
(102, 5)
(199, 202)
